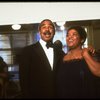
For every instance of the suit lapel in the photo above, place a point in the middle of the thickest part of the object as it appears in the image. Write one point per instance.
(40, 52)
(56, 57)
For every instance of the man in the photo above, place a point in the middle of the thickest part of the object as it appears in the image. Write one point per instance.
(3, 76)
(58, 44)
(37, 64)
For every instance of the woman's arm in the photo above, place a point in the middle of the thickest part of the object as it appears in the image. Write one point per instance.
(93, 64)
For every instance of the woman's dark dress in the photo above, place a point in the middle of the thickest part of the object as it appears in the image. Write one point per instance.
(74, 80)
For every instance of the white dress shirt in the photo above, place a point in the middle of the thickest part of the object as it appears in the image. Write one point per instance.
(49, 52)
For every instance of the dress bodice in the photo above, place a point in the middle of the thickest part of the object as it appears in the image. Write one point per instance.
(75, 80)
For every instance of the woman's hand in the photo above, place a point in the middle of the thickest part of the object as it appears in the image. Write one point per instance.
(91, 50)
(88, 51)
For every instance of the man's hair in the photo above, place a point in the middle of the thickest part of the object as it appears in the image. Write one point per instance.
(1, 59)
(58, 44)
(46, 20)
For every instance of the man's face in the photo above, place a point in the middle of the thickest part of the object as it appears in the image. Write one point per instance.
(47, 30)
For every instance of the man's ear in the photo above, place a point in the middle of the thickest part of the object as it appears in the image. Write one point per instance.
(82, 41)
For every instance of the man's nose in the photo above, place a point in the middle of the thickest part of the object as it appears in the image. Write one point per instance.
(47, 28)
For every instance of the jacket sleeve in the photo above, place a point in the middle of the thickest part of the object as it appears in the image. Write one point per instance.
(24, 66)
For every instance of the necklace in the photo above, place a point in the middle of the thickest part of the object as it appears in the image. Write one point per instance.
(75, 55)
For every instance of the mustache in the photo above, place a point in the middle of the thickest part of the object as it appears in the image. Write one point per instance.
(47, 33)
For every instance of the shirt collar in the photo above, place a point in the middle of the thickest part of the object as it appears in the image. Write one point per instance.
(43, 43)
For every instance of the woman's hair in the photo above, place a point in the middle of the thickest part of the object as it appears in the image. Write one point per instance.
(81, 31)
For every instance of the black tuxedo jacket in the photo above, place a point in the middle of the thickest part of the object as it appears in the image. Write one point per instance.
(36, 76)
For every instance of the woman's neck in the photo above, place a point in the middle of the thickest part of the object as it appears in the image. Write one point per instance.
(75, 50)
(74, 54)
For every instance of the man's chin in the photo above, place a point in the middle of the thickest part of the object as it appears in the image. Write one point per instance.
(71, 47)
(47, 40)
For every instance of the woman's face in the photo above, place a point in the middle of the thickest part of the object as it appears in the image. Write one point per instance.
(47, 31)
(73, 39)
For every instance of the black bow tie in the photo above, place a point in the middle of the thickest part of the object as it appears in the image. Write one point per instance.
(49, 44)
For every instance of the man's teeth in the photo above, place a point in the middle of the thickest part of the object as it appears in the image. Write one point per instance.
(70, 40)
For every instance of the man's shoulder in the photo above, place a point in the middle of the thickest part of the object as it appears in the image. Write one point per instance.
(60, 52)
(26, 49)
(30, 46)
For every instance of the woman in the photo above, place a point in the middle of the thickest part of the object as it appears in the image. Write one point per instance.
(78, 75)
